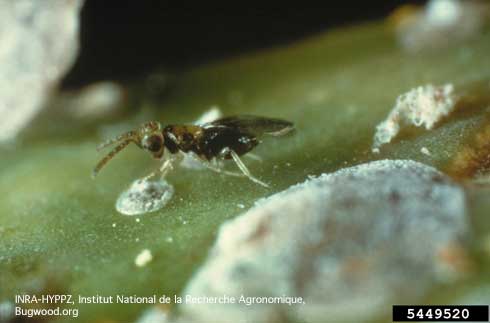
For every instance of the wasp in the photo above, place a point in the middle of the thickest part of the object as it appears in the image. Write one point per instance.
(211, 143)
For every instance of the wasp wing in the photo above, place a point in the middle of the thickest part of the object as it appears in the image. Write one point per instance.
(254, 125)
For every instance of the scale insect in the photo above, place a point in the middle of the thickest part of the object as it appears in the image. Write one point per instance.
(213, 142)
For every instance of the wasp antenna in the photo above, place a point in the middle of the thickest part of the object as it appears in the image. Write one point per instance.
(105, 144)
(125, 136)
(108, 157)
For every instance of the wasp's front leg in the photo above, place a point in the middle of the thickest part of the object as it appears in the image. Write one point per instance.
(164, 169)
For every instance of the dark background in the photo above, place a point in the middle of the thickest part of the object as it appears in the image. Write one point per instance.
(123, 40)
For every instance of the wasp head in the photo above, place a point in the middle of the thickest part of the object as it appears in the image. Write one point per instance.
(148, 137)
(151, 139)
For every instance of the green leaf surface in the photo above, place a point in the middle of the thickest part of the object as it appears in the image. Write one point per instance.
(59, 229)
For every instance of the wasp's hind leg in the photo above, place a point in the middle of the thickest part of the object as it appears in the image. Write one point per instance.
(229, 152)
(254, 157)
(219, 169)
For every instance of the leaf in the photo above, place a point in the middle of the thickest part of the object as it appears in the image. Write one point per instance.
(60, 231)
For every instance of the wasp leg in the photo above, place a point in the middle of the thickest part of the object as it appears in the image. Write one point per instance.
(242, 167)
(162, 171)
(213, 164)
(253, 156)
(166, 167)
(220, 170)
(147, 177)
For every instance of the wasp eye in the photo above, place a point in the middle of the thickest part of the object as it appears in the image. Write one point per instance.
(153, 143)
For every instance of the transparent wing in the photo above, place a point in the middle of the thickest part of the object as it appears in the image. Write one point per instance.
(254, 125)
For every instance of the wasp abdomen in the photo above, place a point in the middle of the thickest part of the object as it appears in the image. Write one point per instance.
(214, 141)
